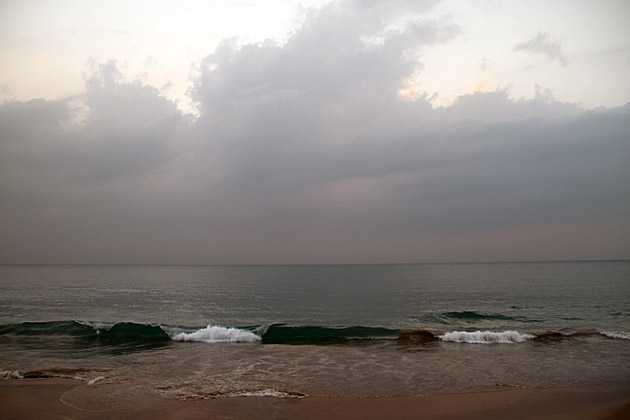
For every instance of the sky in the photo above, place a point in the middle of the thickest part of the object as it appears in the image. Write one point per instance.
(345, 131)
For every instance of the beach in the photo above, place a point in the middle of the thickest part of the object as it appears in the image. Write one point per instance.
(63, 398)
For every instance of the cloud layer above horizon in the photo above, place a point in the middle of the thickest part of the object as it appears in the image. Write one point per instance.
(307, 152)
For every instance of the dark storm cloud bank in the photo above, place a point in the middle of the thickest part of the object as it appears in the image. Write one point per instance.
(306, 152)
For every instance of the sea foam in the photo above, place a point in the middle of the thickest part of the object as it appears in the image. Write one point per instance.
(275, 393)
(486, 337)
(619, 335)
(216, 334)
(10, 374)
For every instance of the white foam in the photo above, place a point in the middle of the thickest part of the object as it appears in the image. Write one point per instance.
(486, 337)
(95, 380)
(620, 335)
(97, 326)
(216, 334)
(10, 374)
(266, 393)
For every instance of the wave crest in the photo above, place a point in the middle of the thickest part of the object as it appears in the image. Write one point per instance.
(130, 336)
(217, 334)
(619, 335)
(486, 337)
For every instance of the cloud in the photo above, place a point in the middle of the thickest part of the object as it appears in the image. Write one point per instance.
(543, 44)
(306, 152)
(127, 130)
(327, 57)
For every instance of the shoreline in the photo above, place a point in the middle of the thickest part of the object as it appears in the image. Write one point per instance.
(73, 399)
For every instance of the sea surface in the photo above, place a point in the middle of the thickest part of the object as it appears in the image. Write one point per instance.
(191, 332)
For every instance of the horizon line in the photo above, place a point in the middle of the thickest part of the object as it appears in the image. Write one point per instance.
(313, 264)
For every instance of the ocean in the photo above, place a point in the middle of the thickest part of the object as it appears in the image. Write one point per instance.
(290, 331)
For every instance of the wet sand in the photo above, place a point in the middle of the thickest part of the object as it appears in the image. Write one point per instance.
(69, 399)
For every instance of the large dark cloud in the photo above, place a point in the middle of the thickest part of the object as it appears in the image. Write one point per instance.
(306, 152)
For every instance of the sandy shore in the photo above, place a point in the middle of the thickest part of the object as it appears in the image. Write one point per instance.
(68, 399)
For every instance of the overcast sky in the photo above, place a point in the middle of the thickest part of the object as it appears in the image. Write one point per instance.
(356, 131)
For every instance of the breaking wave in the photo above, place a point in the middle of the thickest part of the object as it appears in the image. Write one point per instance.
(486, 337)
(129, 336)
(216, 334)
(104, 333)
(619, 335)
